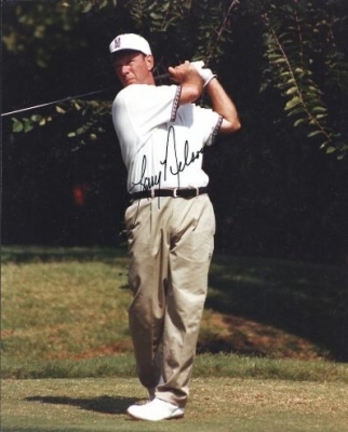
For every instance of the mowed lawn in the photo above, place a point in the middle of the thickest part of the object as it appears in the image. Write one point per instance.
(272, 350)
(72, 303)
(216, 404)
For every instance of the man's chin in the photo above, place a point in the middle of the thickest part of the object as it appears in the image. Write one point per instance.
(130, 81)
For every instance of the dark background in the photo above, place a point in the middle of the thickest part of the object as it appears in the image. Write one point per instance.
(274, 192)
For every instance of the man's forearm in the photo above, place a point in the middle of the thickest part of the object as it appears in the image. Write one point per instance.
(190, 81)
(191, 89)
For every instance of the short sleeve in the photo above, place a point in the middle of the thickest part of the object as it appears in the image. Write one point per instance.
(146, 107)
(210, 122)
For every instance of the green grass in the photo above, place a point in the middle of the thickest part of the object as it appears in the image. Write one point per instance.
(64, 314)
(64, 309)
(206, 365)
(216, 404)
(270, 335)
(71, 303)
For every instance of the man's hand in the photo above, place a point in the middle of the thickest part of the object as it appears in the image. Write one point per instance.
(184, 72)
(188, 78)
(206, 74)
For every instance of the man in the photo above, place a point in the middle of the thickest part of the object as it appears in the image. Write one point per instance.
(170, 222)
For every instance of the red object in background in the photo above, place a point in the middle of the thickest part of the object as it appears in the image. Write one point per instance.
(79, 193)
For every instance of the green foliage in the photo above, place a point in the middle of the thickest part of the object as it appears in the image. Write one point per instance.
(91, 116)
(169, 20)
(87, 5)
(26, 124)
(91, 113)
(305, 65)
(201, 28)
(38, 28)
(303, 48)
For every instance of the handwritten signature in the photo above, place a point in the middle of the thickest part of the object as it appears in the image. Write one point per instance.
(148, 182)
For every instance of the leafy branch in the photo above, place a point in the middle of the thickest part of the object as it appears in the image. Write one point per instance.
(315, 114)
(223, 28)
(290, 50)
(90, 114)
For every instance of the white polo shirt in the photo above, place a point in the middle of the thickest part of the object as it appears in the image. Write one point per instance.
(162, 143)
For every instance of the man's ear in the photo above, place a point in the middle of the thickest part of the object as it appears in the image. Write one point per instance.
(150, 62)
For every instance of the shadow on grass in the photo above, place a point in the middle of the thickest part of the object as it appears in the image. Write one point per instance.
(307, 300)
(102, 404)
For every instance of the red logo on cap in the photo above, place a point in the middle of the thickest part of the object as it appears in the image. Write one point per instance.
(117, 42)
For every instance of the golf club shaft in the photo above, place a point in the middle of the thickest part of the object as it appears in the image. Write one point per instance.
(80, 96)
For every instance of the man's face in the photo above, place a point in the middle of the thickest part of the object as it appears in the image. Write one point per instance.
(133, 67)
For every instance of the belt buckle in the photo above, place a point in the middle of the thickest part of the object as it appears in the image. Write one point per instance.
(175, 195)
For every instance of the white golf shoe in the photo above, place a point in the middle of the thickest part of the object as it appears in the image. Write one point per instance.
(155, 410)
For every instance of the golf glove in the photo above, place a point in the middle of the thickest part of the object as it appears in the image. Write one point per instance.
(205, 73)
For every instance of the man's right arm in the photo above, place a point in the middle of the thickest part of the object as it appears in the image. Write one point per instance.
(189, 80)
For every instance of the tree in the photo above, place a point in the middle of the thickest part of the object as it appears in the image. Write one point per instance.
(304, 50)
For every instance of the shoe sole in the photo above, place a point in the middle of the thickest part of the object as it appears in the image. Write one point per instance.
(172, 417)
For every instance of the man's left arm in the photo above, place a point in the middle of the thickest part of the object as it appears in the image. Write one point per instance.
(223, 105)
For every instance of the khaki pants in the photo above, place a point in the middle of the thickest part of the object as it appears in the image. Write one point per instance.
(171, 242)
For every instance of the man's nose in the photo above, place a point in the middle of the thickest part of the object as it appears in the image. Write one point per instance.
(124, 70)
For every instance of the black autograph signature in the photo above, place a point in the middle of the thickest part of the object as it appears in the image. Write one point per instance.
(148, 182)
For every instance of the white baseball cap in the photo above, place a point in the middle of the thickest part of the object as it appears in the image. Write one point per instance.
(130, 41)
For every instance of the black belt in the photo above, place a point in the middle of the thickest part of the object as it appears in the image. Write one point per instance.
(174, 193)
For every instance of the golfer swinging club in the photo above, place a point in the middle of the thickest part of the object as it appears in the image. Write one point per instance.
(170, 222)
